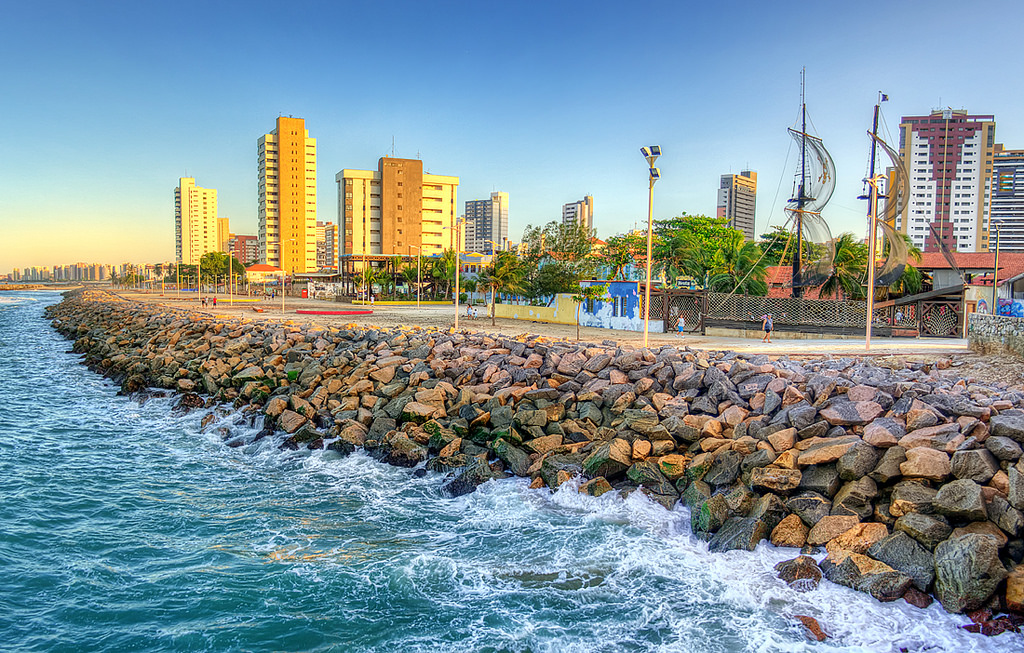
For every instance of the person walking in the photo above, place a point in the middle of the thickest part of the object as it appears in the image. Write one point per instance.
(766, 324)
(681, 324)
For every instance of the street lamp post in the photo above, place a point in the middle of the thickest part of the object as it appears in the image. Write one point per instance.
(651, 153)
(280, 259)
(995, 277)
(419, 256)
(458, 264)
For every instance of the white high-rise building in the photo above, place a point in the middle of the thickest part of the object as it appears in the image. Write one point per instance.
(195, 221)
(948, 160)
(487, 223)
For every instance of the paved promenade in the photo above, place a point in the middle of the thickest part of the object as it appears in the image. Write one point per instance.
(434, 316)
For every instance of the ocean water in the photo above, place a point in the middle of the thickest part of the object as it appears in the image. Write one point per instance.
(129, 527)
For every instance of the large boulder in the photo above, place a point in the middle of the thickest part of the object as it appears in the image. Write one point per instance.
(791, 531)
(929, 530)
(801, 573)
(978, 465)
(610, 459)
(1010, 426)
(961, 499)
(828, 450)
(846, 413)
(741, 533)
(904, 553)
(557, 466)
(857, 462)
(823, 479)
(725, 469)
(516, 460)
(911, 496)
(865, 575)
(855, 498)
(1003, 448)
(404, 452)
(811, 507)
(967, 572)
(709, 515)
(474, 473)
(926, 463)
(830, 527)
(646, 474)
(1015, 476)
(782, 481)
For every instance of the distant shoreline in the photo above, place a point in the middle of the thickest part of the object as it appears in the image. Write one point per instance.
(39, 286)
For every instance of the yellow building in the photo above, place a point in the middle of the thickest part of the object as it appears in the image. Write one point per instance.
(223, 235)
(195, 221)
(287, 197)
(396, 210)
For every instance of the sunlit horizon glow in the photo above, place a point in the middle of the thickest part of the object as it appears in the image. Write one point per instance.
(109, 104)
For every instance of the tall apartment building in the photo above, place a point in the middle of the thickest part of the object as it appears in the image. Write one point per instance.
(1007, 201)
(581, 211)
(487, 220)
(244, 248)
(948, 156)
(287, 196)
(223, 235)
(326, 245)
(395, 209)
(195, 221)
(736, 201)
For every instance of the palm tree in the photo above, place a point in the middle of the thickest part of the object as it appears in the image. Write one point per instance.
(443, 270)
(410, 274)
(366, 278)
(468, 286)
(848, 269)
(504, 274)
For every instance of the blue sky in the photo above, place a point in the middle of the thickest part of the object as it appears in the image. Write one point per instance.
(107, 104)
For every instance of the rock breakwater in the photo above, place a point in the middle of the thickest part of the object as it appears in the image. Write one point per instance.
(913, 483)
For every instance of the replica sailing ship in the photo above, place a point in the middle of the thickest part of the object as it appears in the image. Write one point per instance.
(816, 180)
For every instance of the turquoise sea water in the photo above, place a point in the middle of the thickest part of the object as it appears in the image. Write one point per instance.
(128, 527)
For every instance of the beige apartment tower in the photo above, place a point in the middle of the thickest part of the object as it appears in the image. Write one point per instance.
(287, 197)
(581, 212)
(396, 210)
(737, 195)
(195, 221)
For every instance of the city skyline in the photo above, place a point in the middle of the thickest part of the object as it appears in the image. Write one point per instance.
(115, 103)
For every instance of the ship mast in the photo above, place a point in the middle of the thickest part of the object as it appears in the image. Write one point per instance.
(801, 198)
(872, 220)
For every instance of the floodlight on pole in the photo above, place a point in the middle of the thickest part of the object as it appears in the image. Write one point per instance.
(651, 153)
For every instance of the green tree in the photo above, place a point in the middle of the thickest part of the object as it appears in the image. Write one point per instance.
(848, 269)
(557, 256)
(620, 252)
(688, 245)
(583, 294)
